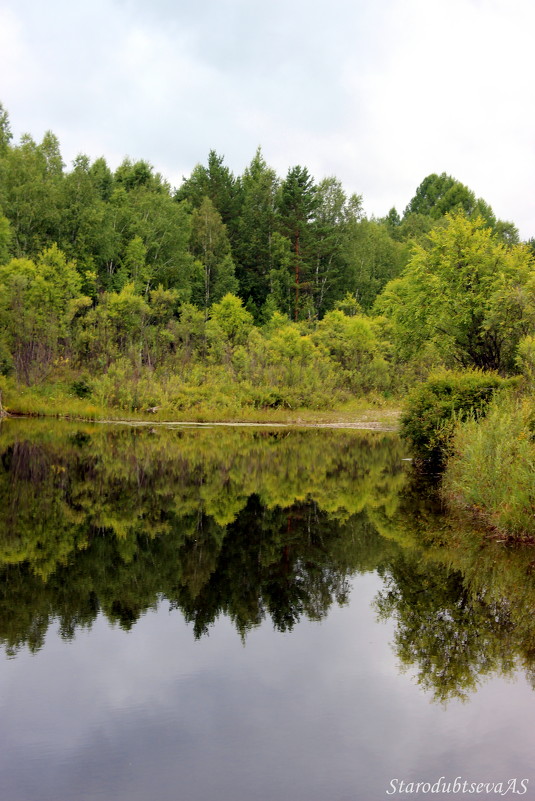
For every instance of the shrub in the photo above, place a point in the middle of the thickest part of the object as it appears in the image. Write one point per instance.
(526, 359)
(434, 407)
(81, 387)
(6, 359)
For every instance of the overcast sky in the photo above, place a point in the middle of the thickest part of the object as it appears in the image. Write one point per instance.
(379, 93)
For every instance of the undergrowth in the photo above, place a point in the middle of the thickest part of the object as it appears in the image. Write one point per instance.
(492, 467)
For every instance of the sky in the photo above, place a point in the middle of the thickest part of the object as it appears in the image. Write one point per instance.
(379, 93)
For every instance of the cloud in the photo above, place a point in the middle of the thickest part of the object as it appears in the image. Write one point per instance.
(379, 94)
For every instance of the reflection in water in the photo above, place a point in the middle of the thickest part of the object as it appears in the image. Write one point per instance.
(249, 524)
(464, 604)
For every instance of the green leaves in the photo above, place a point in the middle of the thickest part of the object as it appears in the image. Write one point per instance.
(229, 321)
(38, 301)
(210, 245)
(456, 292)
(434, 407)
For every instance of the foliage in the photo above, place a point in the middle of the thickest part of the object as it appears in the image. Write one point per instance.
(352, 342)
(229, 322)
(492, 466)
(186, 296)
(5, 239)
(433, 408)
(526, 359)
(461, 292)
(38, 302)
(439, 195)
(373, 259)
(255, 230)
(216, 182)
(211, 247)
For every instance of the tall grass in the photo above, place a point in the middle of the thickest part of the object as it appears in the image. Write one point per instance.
(492, 468)
(119, 396)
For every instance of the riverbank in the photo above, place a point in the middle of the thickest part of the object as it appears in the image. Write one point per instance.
(298, 422)
(490, 472)
(52, 400)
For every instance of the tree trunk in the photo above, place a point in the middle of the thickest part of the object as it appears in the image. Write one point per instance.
(3, 412)
(297, 257)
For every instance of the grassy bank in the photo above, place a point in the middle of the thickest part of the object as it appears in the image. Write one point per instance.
(58, 399)
(491, 472)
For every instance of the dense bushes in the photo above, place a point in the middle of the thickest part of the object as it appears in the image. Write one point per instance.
(479, 429)
(131, 353)
(436, 405)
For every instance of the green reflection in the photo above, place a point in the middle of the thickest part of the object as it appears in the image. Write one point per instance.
(463, 602)
(250, 523)
(246, 523)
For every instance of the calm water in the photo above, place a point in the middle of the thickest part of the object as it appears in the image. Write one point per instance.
(250, 615)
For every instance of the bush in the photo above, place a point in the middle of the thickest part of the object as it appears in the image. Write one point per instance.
(82, 387)
(6, 360)
(526, 359)
(434, 407)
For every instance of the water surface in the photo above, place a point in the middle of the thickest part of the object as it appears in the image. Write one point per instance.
(249, 614)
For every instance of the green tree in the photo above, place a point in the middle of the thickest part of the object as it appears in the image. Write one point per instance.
(335, 218)
(216, 182)
(392, 222)
(102, 178)
(5, 131)
(211, 247)
(31, 193)
(5, 239)
(253, 248)
(229, 324)
(451, 295)
(352, 342)
(128, 313)
(148, 212)
(39, 301)
(86, 232)
(134, 268)
(132, 175)
(281, 284)
(373, 259)
(439, 195)
(297, 204)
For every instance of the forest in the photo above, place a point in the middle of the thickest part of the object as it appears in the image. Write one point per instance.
(251, 294)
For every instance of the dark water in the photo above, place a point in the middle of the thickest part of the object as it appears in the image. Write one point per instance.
(250, 614)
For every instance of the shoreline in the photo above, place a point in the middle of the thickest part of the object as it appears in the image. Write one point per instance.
(320, 423)
(356, 425)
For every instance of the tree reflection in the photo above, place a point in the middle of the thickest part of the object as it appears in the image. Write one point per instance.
(251, 525)
(246, 524)
(464, 604)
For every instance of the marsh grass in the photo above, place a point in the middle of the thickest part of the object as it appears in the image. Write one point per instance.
(58, 398)
(492, 468)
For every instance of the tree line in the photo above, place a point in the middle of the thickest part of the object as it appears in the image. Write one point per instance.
(98, 265)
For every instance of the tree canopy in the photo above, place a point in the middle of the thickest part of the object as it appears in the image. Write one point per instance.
(446, 283)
